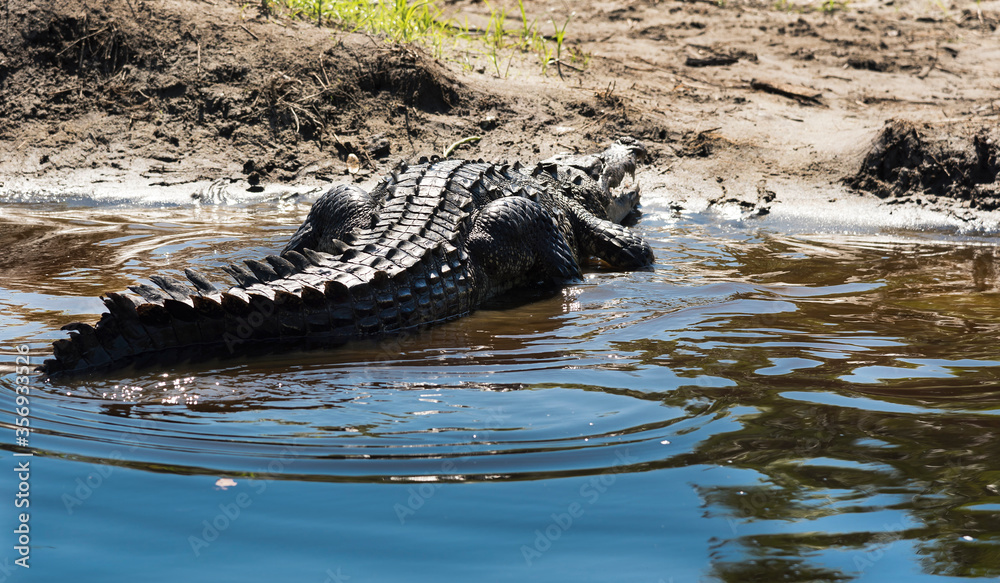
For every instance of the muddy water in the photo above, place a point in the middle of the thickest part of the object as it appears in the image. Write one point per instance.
(761, 406)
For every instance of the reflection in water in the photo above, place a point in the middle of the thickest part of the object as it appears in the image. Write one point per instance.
(848, 386)
(923, 455)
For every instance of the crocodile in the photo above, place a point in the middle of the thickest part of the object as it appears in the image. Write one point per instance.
(431, 242)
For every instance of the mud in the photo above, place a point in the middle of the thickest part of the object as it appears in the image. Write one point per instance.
(744, 104)
(905, 166)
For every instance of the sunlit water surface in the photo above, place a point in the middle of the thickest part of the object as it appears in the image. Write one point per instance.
(759, 407)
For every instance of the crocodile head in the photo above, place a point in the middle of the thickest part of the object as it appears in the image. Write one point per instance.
(608, 169)
(620, 161)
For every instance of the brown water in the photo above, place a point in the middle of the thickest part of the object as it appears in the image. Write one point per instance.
(762, 406)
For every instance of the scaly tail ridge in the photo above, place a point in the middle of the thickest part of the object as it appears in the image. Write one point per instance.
(303, 298)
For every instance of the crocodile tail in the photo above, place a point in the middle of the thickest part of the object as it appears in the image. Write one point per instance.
(302, 299)
(194, 318)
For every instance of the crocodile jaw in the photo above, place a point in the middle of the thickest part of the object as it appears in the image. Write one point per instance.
(617, 177)
(623, 199)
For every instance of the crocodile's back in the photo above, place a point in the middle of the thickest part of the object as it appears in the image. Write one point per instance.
(435, 200)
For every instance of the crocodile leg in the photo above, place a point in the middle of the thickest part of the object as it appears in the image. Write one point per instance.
(523, 224)
(619, 246)
(333, 219)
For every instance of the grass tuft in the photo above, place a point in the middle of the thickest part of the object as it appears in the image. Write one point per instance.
(403, 21)
(824, 6)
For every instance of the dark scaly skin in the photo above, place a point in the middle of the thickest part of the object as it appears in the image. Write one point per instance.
(432, 242)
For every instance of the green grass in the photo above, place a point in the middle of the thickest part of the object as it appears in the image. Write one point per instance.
(422, 22)
(825, 6)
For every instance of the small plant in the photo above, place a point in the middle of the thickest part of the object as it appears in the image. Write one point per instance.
(529, 32)
(495, 31)
(826, 6)
(560, 35)
(559, 38)
(495, 36)
(318, 7)
(831, 6)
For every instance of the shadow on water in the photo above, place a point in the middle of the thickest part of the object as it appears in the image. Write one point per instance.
(847, 385)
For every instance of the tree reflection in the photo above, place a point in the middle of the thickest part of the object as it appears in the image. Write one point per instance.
(878, 432)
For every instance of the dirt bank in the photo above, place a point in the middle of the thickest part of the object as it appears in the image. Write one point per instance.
(745, 105)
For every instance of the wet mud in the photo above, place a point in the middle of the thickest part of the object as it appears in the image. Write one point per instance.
(176, 99)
